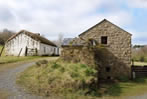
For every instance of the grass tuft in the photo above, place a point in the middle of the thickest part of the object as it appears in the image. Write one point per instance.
(77, 81)
(58, 78)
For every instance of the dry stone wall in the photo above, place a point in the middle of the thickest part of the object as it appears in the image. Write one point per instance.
(78, 54)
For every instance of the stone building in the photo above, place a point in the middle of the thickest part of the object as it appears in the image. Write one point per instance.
(26, 43)
(112, 51)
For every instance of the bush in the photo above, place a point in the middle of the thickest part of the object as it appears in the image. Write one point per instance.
(123, 78)
(41, 62)
(59, 78)
(142, 58)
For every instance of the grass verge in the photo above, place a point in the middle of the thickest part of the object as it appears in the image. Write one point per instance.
(12, 59)
(3, 95)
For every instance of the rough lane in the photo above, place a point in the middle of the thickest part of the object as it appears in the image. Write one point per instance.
(8, 83)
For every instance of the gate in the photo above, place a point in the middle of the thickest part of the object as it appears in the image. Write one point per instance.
(31, 52)
(139, 71)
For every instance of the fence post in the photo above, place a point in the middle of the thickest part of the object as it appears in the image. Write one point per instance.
(26, 51)
(2, 51)
(19, 52)
(134, 75)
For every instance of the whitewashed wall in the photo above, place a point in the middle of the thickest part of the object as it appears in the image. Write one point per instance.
(46, 49)
(14, 46)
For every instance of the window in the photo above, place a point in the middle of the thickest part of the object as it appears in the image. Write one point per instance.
(92, 42)
(108, 78)
(44, 50)
(104, 39)
(108, 69)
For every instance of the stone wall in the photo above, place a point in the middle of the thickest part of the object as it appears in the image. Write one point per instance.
(119, 45)
(112, 59)
(78, 54)
(110, 66)
(98, 57)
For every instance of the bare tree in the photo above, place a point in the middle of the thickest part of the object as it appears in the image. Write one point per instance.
(59, 40)
(139, 53)
(5, 35)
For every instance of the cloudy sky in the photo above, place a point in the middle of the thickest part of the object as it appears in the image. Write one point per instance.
(71, 17)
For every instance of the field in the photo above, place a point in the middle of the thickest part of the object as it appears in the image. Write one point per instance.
(140, 63)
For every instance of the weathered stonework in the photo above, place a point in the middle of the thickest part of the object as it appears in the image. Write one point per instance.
(78, 54)
(118, 44)
(114, 60)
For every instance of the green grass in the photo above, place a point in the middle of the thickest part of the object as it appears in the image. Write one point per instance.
(4, 95)
(128, 88)
(140, 63)
(59, 79)
(141, 58)
(75, 81)
(12, 59)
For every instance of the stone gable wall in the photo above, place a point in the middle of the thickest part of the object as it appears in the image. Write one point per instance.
(119, 44)
(115, 55)
(119, 41)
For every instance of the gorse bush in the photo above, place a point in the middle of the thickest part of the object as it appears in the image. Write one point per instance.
(60, 78)
(42, 62)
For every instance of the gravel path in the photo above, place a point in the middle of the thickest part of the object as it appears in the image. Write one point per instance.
(8, 83)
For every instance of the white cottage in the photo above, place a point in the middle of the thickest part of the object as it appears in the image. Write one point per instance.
(25, 43)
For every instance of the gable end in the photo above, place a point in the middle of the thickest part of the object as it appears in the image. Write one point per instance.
(105, 20)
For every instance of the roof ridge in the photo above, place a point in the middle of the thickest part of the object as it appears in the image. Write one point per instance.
(33, 36)
(100, 23)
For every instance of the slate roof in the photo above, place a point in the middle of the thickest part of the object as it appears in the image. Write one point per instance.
(66, 41)
(34, 36)
(73, 42)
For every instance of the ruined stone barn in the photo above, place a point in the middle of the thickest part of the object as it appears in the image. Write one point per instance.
(25, 43)
(105, 45)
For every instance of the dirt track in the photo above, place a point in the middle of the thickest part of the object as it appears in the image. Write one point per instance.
(8, 82)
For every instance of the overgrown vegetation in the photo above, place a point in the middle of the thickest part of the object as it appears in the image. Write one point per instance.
(59, 78)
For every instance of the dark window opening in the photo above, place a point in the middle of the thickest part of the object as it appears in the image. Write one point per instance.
(104, 39)
(108, 69)
(108, 78)
(44, 50)
(92, 42)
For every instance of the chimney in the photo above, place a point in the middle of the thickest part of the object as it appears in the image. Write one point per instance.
(38, 34)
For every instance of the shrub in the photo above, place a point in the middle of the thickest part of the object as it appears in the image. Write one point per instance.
(41, 62)
(142, 58)
(61, 78)
(123, 78)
